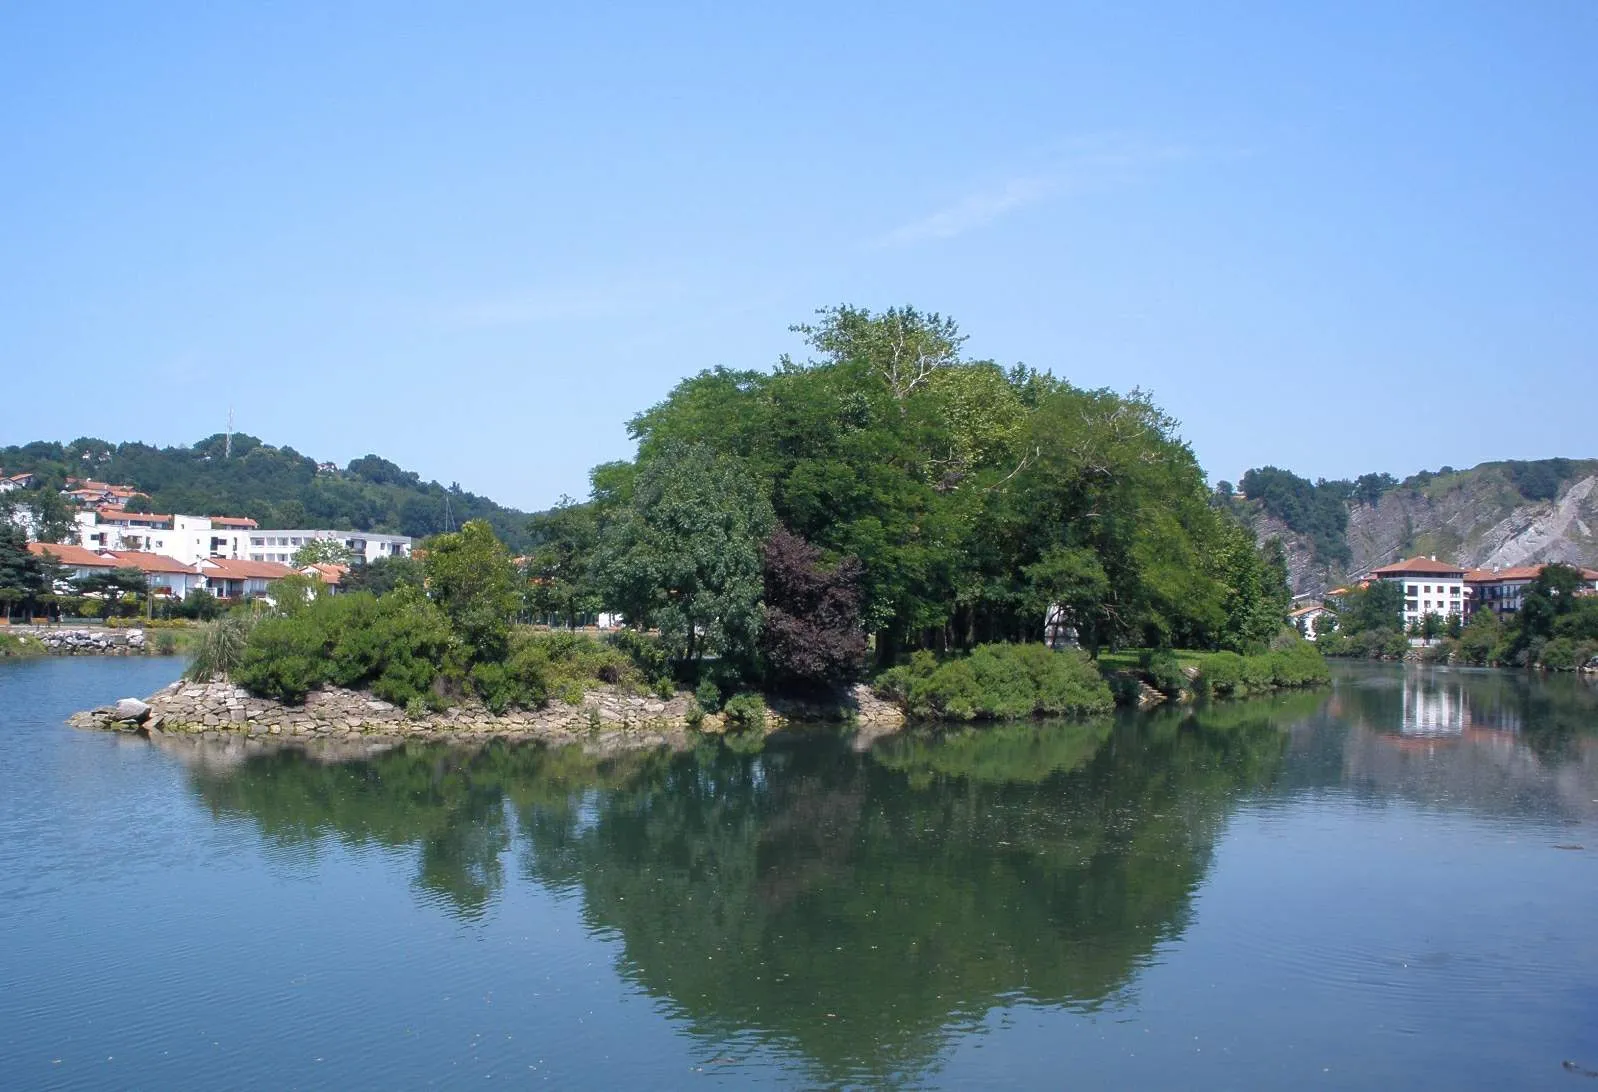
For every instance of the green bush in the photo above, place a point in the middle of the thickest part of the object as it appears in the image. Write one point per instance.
(166, 644)
(285, 659)
(745, 713)
(996, 682)
(1226, 674)
(664, 688)
(1298, 665)
(1220, 674)
(708, 695)
(646, 652)
(694, 715)
(1255, 674)
(146, 623)
(1559, 654)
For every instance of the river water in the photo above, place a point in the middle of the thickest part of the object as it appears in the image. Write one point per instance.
(1391, 884)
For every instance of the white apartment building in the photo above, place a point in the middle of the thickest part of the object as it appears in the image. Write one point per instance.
(187, 538)
(364, 546)
(191, 539)
(1430, 587)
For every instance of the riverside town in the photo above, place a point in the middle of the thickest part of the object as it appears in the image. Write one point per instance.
(690, 549)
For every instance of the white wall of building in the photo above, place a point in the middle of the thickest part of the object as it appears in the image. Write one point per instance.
(280, 545)
(1431, 594)
(192, 538)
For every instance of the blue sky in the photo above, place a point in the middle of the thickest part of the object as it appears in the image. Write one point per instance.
(475, 239)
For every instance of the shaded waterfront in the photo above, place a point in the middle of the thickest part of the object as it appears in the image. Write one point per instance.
(1389, 883)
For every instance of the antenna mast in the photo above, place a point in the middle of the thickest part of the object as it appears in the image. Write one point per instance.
(227, 445)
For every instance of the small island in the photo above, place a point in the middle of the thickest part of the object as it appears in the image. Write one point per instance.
(887, 533)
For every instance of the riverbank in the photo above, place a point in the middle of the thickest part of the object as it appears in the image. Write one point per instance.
(84, 641)
(607, 718)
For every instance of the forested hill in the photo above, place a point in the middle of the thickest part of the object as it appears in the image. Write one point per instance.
(275, 485)
(1497, 514)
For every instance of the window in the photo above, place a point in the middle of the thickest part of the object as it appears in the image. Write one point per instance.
(1412, 589)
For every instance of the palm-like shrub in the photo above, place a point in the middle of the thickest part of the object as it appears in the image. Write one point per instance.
(220, 646)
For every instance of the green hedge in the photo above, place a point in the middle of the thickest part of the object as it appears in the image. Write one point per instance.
(401, 647)
(998, 682)
(1227, 674)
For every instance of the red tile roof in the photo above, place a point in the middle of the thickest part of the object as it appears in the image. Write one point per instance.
(326, 573)
(114, 513)
(234, 521)
(1420, 566)
(226, 568)
(1522, 572)
(151, 563)
(71, 555)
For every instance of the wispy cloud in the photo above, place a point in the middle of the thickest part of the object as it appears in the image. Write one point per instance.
(977, 210)
(1086, 164)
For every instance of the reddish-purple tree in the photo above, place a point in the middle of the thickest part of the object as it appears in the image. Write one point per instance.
(812, 634)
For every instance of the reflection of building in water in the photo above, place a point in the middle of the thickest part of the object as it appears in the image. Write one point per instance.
(1434, 707)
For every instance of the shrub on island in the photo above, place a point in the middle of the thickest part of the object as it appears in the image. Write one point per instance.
(403, 649)
(997, 682)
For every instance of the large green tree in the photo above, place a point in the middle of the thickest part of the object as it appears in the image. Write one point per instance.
(470, 576)
(684, 555)
(559, 571)
(23, 579)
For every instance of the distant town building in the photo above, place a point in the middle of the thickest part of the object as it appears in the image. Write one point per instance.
(1502, 590)
(76, 561)
(191, 539)
(1308, 617)
(364, 546)
(229, 579)
(166, 576)
(1430, 587)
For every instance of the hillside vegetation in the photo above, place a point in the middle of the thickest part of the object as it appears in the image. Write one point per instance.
(1497, 514)
(275, 485)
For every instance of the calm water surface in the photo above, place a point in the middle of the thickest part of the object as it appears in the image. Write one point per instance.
(1392, 884)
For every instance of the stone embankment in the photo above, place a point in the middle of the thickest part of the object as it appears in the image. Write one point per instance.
(84, 642)
(607, 719)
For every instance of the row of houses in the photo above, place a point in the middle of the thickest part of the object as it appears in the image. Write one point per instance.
(226, 578)
(1445, 589)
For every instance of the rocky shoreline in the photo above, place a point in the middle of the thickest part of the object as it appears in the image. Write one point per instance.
(55, 641)
(608, 719)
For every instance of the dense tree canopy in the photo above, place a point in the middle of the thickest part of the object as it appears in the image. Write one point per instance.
(1318, 510)
(969, 496)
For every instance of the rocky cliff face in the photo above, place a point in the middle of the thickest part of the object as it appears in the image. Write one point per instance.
(1477, 517)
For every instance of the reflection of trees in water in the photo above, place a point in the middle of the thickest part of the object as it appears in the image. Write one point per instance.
(847, 906)
(1521, 740)
(852, 907)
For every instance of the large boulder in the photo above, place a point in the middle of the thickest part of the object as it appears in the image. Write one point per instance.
(132, 709)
